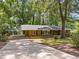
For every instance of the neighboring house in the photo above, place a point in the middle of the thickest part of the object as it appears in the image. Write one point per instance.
(42, 30)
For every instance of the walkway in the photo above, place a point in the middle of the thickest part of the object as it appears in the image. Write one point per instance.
(25, 49)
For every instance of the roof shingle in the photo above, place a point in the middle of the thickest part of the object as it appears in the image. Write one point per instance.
(40, 27)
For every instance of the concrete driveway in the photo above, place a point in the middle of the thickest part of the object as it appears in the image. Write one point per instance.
(26, 49)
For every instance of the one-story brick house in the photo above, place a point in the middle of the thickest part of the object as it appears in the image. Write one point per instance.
(42, 30)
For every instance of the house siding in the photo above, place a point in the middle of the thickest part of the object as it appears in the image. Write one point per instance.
(30, 33)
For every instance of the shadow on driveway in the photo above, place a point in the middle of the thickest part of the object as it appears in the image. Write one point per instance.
(25, 49)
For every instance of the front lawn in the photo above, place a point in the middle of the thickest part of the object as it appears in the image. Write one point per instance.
(65, 45)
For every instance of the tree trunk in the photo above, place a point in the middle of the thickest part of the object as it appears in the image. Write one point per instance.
(33, 19)
(62, 20)
(23, 20)
(63, 29)
(39, 17)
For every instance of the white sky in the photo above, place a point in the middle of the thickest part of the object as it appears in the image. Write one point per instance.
(75, 15)
(61, 1)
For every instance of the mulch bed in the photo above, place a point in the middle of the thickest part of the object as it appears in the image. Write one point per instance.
(68, 48)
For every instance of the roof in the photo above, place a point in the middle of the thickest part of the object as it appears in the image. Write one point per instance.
(40, 27)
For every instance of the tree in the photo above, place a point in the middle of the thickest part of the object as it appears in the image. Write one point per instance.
(64, 11)
(37, 12)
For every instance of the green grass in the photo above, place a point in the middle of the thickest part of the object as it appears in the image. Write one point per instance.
(53, 41)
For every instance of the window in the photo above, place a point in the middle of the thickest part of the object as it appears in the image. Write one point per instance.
(45, 32)
(39, 33)
(56, 32)
(34, 33)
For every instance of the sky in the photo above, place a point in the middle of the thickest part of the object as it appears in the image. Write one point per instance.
(75, 15)
(62, 1)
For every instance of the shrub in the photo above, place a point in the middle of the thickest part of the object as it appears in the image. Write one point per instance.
(77, 27)
(75, 39)
(3, 38)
